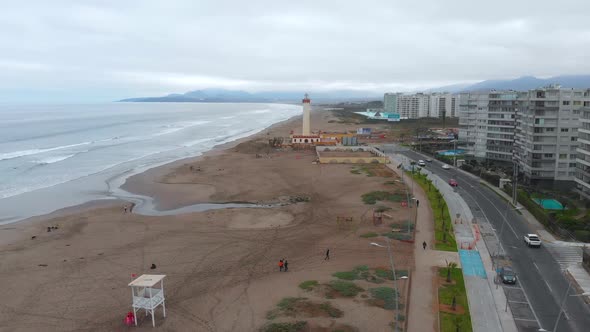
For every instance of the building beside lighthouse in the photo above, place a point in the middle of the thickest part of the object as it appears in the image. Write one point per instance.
(306, 136)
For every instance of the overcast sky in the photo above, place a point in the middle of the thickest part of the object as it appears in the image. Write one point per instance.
(105, 50)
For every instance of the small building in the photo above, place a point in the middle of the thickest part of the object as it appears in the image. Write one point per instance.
(305, 139)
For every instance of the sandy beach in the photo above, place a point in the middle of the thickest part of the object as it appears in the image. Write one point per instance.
(221, 265)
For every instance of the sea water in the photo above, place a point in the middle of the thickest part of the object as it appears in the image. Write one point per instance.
(57, 156)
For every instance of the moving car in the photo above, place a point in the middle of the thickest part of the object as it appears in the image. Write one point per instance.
(421, 163)
(428, 160)
(507, 275)
(445, 166)
(453, 183)
(532, 240)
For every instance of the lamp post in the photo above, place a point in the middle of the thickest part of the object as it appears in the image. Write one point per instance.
(395, 328)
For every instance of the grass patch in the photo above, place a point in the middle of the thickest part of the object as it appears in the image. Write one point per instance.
(285, 327)
(369, 235)
(345, 288)
(359, 272)
(287, 305)
(398, 236)
(330, 310)
(386, 297)
(449, 321)
(308, 285)
(374, 196)
(443, 226)
(387, 274)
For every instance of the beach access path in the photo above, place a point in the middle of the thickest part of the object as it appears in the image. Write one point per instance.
(423, 305)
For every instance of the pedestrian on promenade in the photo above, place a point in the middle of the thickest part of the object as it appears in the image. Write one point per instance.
(417, 203)
(424, 245)
(286, 266)
(281, 265)
(125, 209)
(327, 254)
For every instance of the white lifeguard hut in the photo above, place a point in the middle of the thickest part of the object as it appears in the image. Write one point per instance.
(147, 296)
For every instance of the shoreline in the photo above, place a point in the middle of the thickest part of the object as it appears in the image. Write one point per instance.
(114, 199)
(147, 183)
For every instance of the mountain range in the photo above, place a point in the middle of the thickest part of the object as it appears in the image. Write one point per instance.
(237, 96)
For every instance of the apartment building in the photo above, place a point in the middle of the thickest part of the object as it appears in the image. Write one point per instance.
(413, 106)
(443, 103)
(390, 102)
(583, 151)
(547, 133)
(487, 124)
(421, 105)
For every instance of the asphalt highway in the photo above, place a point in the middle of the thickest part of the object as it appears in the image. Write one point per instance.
(539, 275)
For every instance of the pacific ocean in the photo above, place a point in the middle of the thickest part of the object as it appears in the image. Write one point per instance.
(55, 156)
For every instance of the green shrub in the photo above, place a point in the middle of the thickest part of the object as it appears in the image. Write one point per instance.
(346, 275)
(285, 327)
(308, 285)
(374, 196)
(345, 288)
(330, 310)
(386, 294)
(369, 235)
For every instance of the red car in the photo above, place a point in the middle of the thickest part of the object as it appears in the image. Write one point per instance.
(453, 183)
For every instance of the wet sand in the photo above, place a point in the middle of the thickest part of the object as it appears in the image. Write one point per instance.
(221, 265)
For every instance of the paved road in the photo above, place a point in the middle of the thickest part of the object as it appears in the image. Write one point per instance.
(540, 276)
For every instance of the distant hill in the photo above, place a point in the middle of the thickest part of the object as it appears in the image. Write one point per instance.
(237, 96)
(521, 84)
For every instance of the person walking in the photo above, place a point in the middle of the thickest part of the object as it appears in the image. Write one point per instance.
(286, 266)
(281, 265)
(424, 245)
(125, 209)
(327, 254)
(417, 203)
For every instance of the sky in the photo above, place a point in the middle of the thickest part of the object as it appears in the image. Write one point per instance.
(101, 50)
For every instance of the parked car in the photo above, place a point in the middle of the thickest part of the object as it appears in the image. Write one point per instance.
(445, 166)
(428, 160)
(421, 163)
(532, 240)
(507, 275)
(453, 183)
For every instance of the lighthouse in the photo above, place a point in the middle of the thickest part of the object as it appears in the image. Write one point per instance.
(306, 115)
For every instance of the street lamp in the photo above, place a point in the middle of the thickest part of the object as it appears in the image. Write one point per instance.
(394, 279)
(454, 152)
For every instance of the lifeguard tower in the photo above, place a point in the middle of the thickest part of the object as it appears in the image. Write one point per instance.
(146, 296)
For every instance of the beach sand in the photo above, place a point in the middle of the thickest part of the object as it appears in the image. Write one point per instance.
(221, 265)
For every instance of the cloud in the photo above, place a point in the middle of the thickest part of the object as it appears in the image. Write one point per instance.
(138, 47)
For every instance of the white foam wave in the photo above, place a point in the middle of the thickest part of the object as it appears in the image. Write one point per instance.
(23, 153)
(55, 159)
(178, 127)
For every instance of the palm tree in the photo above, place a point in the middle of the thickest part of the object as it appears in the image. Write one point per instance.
(450, 267)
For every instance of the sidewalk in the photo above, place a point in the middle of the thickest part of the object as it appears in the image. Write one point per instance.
(423, 310)
(486, 302)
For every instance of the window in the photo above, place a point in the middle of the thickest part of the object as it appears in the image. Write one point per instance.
(564, 130)
(572, 164)
(548, 155)
(549, 130)
(573, 139)
(566, 102)
(562, 165)
(577, 102)
(563, 156)
(573, 156)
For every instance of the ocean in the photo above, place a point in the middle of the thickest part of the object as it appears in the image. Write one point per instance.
(52, 157)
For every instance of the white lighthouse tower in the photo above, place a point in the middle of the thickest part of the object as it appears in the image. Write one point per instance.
(306, 115)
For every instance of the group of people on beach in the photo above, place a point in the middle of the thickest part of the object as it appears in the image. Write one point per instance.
(127, 208)
(283, 265)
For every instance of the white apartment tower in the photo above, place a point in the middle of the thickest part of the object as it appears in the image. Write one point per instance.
(583, 151)
(487, 123)
(547, 133)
